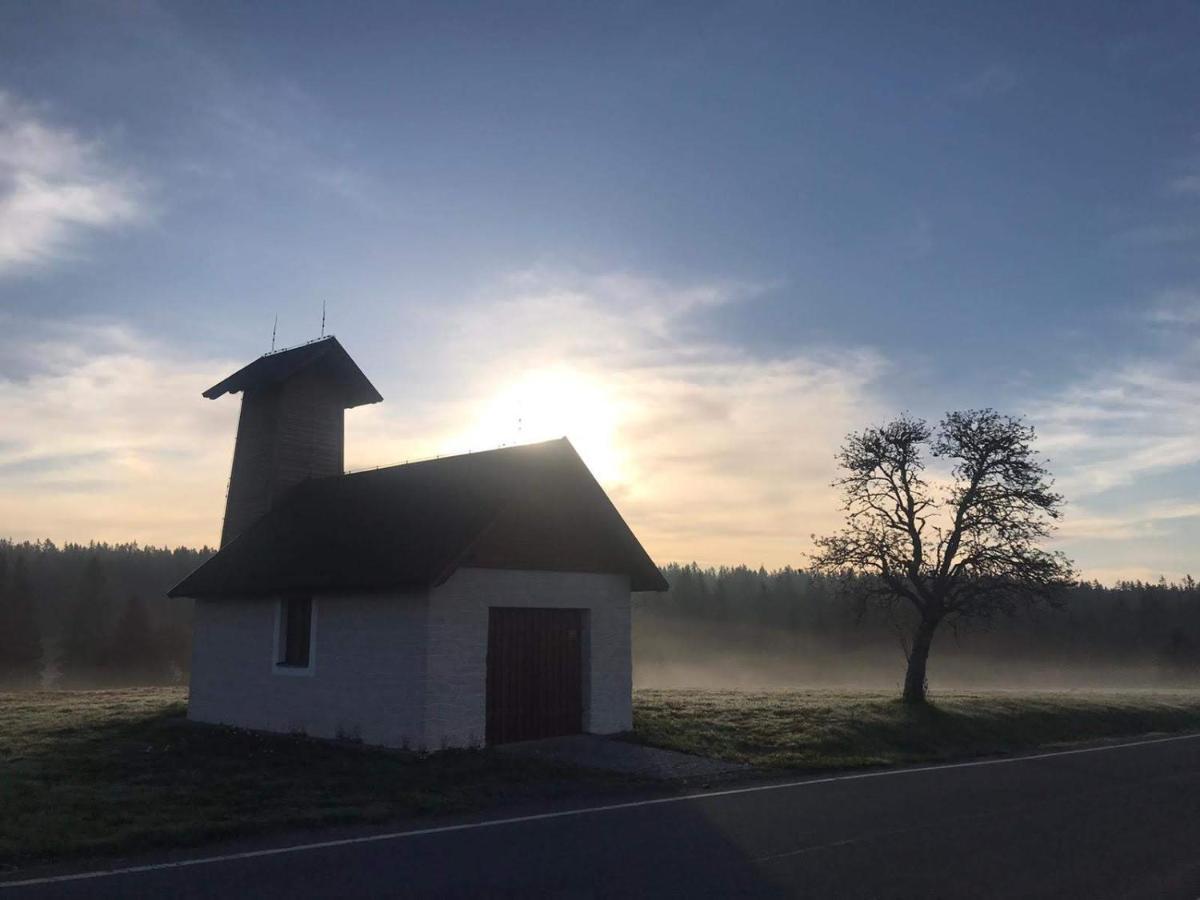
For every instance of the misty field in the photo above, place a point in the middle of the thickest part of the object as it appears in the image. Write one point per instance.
(844, 729)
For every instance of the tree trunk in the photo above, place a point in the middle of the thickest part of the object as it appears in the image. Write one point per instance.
(918, 656)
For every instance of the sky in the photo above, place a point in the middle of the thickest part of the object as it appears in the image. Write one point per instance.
(702, 240)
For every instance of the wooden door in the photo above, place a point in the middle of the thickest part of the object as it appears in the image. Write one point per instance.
(534, 673)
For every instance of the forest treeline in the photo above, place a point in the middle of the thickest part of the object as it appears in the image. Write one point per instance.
(94, 615)
(98, 614)
(749, 626)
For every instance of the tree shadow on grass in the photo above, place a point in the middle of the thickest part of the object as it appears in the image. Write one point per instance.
(899, 732)
(814, 731)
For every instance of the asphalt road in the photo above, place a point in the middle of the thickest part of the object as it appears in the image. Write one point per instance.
(1113, 822)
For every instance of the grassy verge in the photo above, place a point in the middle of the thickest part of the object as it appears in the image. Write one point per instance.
(828, 729)
(96, 772)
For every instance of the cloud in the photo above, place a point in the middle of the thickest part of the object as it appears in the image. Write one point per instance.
(105, 437)
(272, 131)
(1186, 184)
(1178, 306)
(53, 187)
(990, 82)
(1122, 440)
(1139, 522)
(711, 452)
(1110, 429)
(1156, 235)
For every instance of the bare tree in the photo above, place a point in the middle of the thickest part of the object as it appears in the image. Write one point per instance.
(963, 549)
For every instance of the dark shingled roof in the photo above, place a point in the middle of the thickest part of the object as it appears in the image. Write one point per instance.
(530, 507)
(272, 368)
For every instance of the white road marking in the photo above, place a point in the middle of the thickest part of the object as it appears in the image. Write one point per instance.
(589, 810)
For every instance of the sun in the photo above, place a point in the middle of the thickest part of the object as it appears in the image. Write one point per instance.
(547, 403)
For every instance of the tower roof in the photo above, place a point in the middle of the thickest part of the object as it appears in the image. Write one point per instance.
(273, 368)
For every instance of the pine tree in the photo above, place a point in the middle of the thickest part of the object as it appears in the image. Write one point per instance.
(20, 639)
(84, 644)
(135, 656)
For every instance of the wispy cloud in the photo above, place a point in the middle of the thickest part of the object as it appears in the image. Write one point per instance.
(712, 453)
(1156, 235)
(1186, 184)
(103, 436)
(1177, 306)
(1112, 428)
(54, 185)
(1119, 438)
(1139, 522)
(989, 82)
(1123, 438)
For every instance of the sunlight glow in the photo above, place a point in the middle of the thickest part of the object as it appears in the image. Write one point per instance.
(544, 404)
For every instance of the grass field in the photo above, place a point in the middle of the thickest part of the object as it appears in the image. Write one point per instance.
(97, 772)
(100, 772)
(843, 729)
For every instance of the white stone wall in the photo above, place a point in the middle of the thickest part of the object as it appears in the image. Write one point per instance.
(367, 679)
(401, 670)
(456, 671)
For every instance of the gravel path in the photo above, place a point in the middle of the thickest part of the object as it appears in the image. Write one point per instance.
(595, 752)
